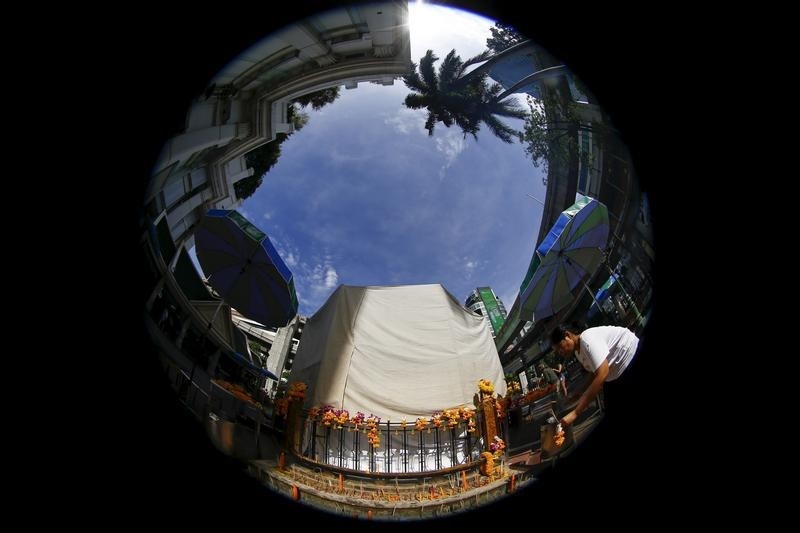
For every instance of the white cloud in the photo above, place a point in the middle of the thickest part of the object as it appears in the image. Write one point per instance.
(470, 265)
(451, 144)
(331, 278)
(340, 157)
(288, 252)
(407, 120)
(268, 215)
(291, 260)
(321, 278)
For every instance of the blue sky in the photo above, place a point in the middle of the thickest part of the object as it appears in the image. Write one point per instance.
(363, 196)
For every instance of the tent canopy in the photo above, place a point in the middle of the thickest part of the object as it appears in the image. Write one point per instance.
(395, 352)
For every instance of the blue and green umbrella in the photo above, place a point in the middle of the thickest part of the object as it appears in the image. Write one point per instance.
(571, 251)
(245, 268)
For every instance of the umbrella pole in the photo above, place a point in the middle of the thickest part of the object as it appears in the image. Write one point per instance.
(594, 298)
(586, 286)
(592, 295)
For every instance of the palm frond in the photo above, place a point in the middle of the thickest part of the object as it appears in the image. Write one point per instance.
(416, 101)
(449, 69)
(430, 123)
(507, 109)
(413, 81)
(427, 71)
(500, 129)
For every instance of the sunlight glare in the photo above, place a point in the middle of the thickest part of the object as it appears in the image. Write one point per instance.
(424, 21)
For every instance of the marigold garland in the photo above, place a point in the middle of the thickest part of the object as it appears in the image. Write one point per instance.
(340, 418)
(487, 468)
(297, 390)
(486, 386)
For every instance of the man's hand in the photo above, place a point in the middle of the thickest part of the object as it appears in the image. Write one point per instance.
(569, 418)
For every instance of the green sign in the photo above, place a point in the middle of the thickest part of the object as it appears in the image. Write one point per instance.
(492, 310)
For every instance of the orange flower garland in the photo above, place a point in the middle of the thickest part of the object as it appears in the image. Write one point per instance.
(328, 416)
(373, 437)
(340, 418)
(487, 468)
(297, 390)
(486, 386)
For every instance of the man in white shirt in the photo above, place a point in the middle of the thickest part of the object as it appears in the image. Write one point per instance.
(605, 351)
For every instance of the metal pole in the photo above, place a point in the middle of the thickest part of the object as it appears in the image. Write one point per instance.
(468, 449)
(341, 446)
(437, 441)
(327, 445)
(388, 444)
(371, 457)
(405, 450)
(314, 440)
(421, 452)
(453, 457)
(357, 446)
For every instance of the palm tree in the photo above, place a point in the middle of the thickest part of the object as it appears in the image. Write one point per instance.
(452, 99)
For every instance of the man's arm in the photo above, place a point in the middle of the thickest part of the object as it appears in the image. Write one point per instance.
(592, 390)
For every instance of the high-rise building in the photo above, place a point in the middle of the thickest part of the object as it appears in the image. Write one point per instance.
(484, 301)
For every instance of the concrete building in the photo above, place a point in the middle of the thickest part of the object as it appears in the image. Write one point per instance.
(281, 345)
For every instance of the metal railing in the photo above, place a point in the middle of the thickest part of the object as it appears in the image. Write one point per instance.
(401, 450)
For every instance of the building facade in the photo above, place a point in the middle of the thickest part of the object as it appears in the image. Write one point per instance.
(246, 104)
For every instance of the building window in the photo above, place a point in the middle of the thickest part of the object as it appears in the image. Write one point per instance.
(175, 188)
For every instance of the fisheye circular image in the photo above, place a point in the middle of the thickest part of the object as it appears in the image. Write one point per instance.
(393, 258)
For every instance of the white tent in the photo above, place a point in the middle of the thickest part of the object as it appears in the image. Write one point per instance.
(395, 352)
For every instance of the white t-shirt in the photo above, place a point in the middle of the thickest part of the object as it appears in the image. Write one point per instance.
(614, 344)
